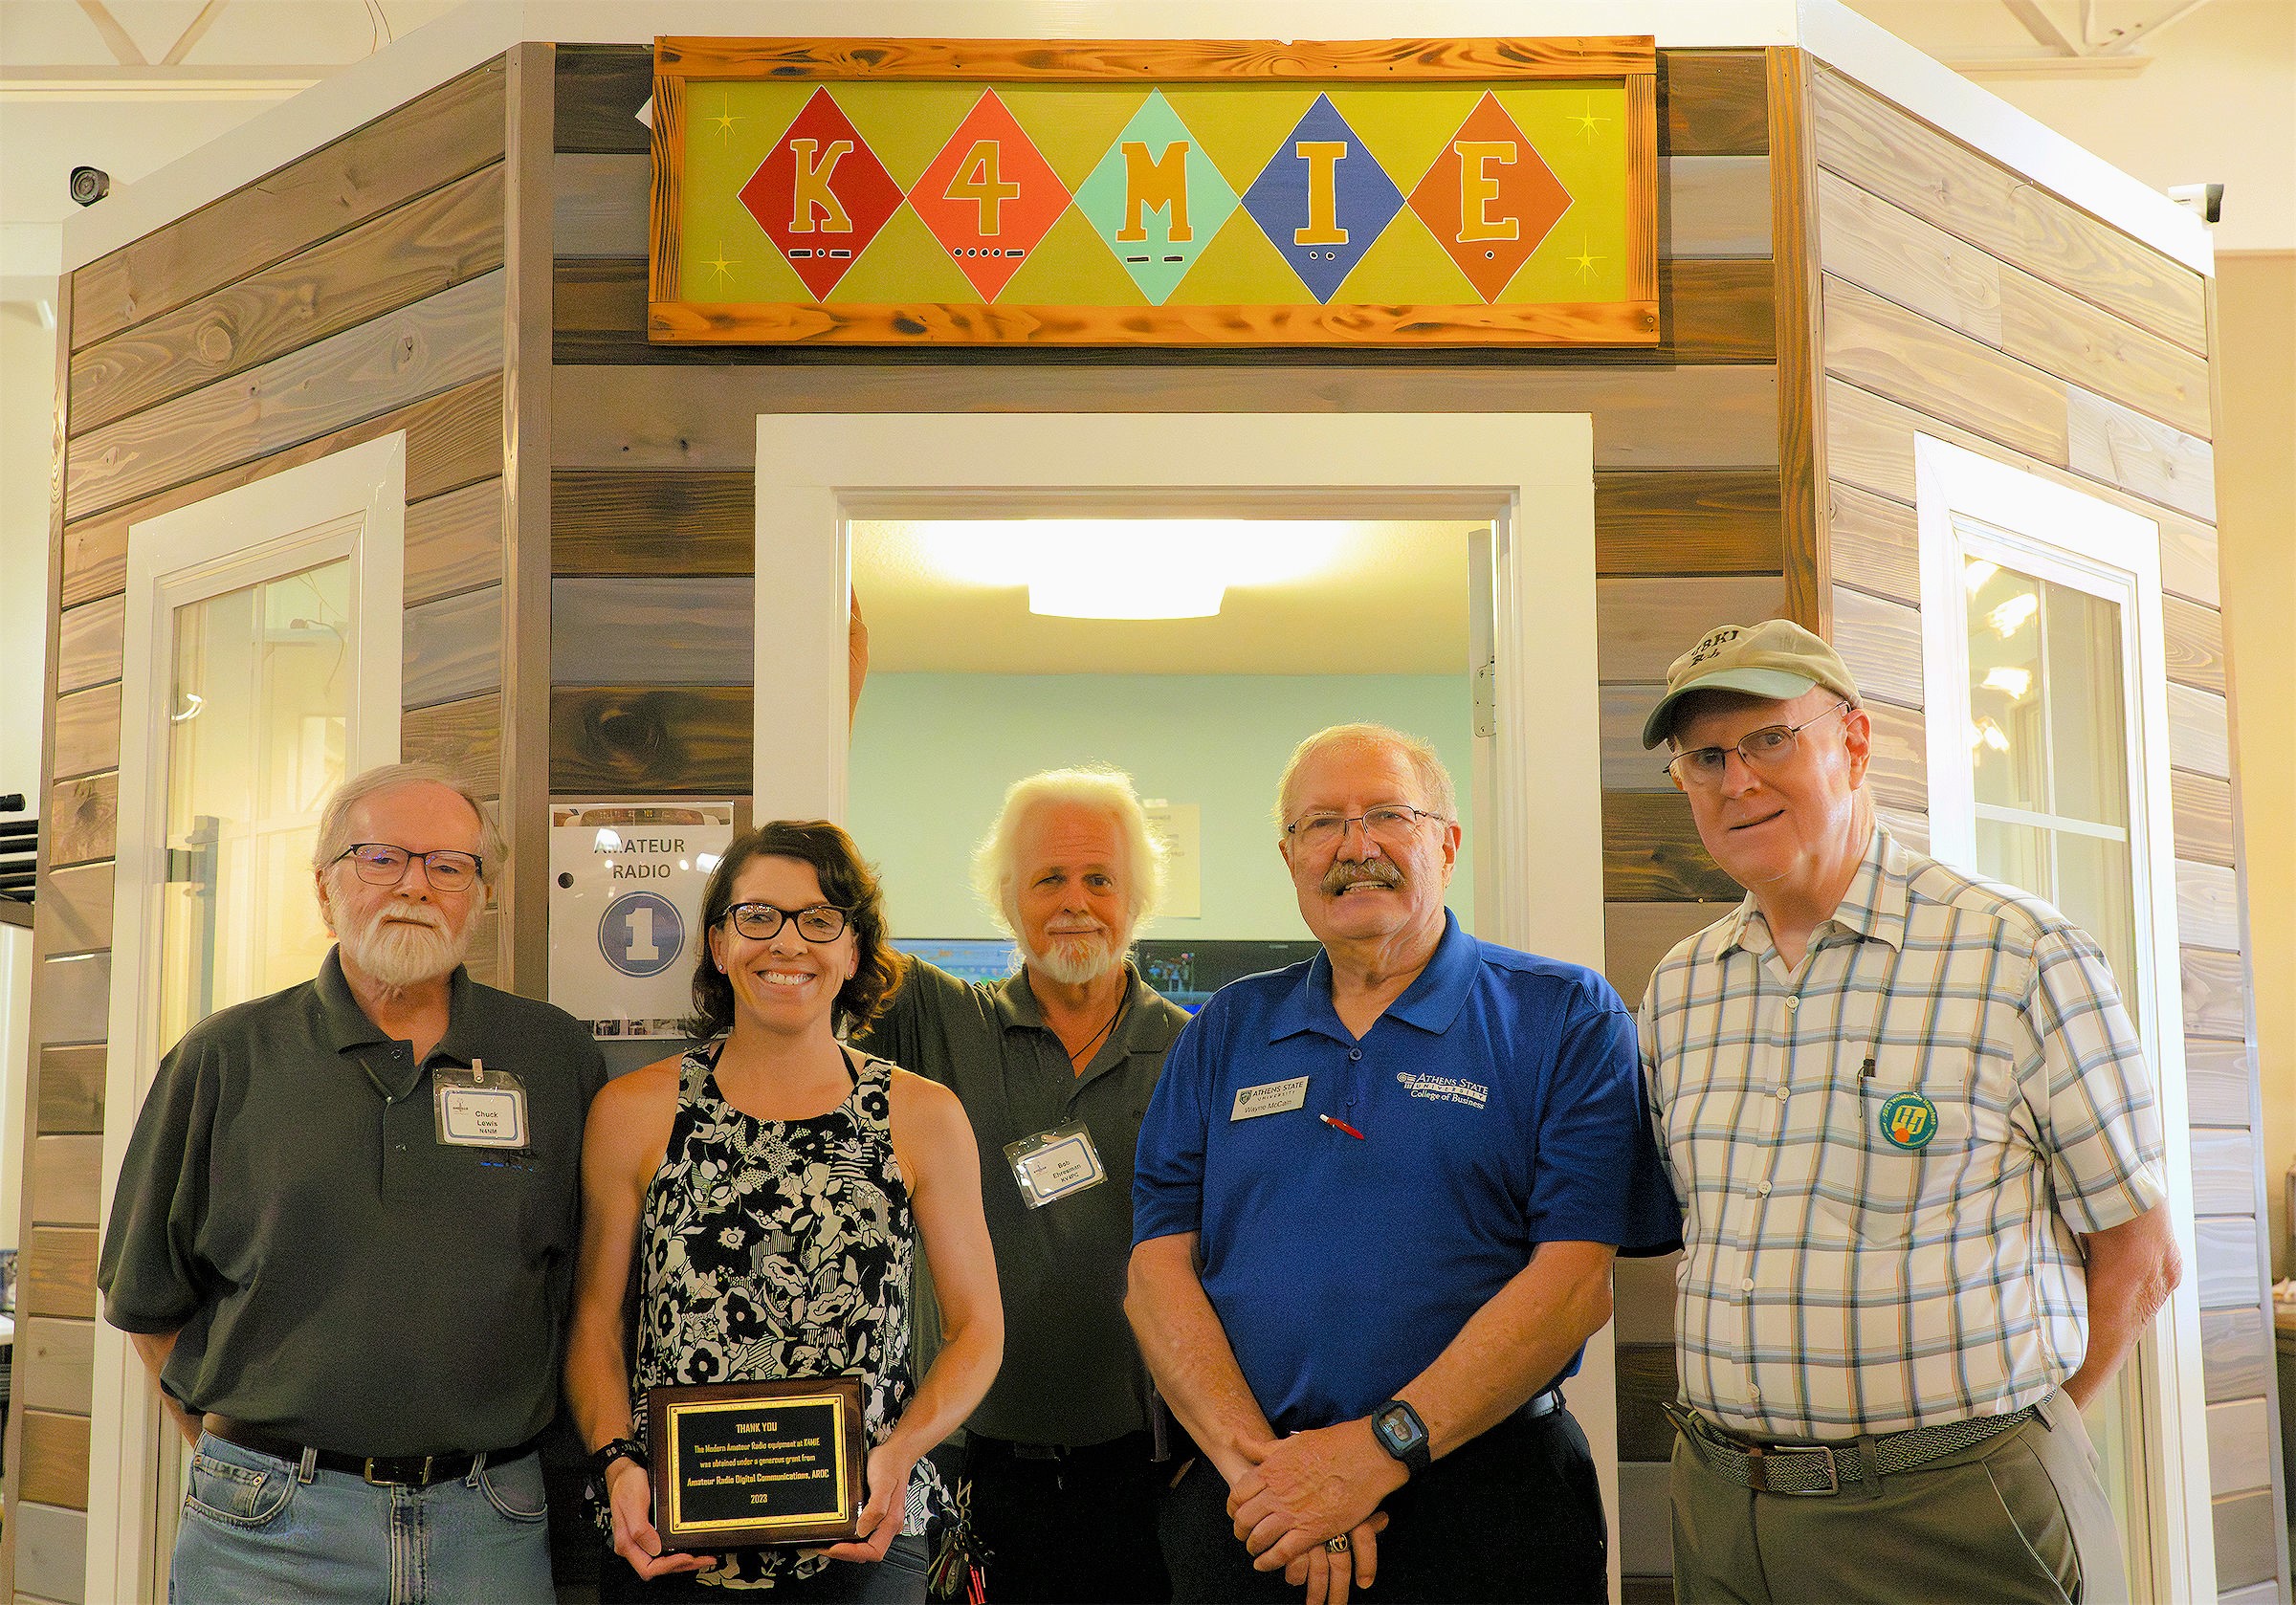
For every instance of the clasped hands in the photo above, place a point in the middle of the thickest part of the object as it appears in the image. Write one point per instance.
(1298, 1491)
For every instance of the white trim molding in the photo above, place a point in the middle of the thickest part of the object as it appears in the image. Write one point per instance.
(2039, 527)
(1538, 845)
(481, 30)
(351, 504)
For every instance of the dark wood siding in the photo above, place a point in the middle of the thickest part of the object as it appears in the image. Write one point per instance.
(1960, 301)
(653, 462)
(355, 292)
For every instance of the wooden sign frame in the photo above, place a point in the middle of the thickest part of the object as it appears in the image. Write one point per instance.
(1631, 322)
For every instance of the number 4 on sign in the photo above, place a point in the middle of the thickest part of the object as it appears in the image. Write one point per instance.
(979, 179)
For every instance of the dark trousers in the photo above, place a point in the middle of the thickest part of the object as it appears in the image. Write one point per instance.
(1079, 1529)
(1515, 1515)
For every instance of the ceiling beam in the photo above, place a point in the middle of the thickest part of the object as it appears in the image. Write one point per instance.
(190, 36)
(2122, 40)
(2044, 26)
(115, 38)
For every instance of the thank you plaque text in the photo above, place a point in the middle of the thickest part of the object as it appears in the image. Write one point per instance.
(740, 1464)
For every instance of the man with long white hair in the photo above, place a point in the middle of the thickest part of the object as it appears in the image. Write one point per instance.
(343, 1237)
(1055, 1065)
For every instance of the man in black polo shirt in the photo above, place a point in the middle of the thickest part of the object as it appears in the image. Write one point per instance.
(1054, 1066)
(343, 1237)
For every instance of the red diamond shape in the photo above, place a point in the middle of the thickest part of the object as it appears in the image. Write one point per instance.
(821, 194)
(989, 197)
(1490, 198)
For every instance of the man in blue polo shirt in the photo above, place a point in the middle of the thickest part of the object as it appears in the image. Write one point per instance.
(1376, 1203)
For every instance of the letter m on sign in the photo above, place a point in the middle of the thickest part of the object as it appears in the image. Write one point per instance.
(1157, 185)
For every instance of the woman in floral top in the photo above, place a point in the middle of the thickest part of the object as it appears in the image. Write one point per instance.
(770, 1189)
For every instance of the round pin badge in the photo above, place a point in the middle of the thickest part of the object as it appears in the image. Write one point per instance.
(1910, 1121)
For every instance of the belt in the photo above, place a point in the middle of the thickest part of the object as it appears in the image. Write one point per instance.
(414, 1471)
(1131, 1446)
(1538, 1405)
(1821, 1469)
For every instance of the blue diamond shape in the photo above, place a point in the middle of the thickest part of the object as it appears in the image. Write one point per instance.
(1322, 199)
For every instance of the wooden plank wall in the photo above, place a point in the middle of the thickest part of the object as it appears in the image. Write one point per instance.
(1960, 301)
(357, 291)
(654, 457)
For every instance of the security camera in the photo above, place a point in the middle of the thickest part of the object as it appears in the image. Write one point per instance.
(2204, 201)
(90, 184)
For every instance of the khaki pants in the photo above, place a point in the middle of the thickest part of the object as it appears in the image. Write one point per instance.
(2021, 1517)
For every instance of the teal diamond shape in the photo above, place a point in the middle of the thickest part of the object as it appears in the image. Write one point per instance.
(1155, 184)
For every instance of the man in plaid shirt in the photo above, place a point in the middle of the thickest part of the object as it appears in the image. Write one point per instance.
(1919, 1162)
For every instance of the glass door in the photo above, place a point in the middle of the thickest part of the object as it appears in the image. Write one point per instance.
(2048, 746)
(2045, 711)
(257, 735)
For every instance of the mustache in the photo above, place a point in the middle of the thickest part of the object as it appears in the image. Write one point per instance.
(1375, 871)
(413, 913)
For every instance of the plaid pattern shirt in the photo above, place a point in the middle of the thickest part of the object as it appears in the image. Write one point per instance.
(1884, 1157)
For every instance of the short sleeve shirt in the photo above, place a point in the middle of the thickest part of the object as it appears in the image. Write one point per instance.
(1071, 1373)
(1885, 1156)
(338, 1275)
(1493, 1107)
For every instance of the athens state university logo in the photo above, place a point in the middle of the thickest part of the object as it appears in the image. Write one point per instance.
(1910, 1121)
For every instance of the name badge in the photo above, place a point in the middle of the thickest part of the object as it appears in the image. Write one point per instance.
(1053, 1164)
(1273, 1097)
(480, 1108)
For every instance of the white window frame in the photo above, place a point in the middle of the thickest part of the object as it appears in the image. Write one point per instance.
(349, 504)
(1530, 475)
(2052, 531)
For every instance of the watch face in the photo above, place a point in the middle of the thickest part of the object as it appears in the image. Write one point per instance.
(1395, 1426)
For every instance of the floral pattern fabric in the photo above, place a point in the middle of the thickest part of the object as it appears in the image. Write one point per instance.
(773, 1248)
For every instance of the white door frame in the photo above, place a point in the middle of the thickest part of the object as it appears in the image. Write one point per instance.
(1530, 475)
(2041, 527)
(351, 503)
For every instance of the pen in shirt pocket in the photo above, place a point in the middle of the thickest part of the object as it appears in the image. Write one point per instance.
(1341, 1126)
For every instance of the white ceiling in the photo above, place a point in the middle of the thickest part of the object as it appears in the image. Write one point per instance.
(1392, 601)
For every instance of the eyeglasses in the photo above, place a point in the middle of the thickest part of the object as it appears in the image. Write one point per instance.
(1702, 768)
(1390, 824)
(822, 922)
(380, 864)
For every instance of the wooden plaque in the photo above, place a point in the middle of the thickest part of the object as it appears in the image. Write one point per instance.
(1155, 192)
(739, 1465)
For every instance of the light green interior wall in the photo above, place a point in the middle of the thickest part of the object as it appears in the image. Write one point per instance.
(932, 754)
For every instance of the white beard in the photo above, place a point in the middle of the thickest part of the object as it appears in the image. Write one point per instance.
(400, 954)
(1078, 959)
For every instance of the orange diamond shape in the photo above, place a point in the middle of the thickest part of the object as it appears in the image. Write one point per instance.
(1490, 198)
(989, 197)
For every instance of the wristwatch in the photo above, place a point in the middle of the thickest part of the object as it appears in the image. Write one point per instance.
(1402, 1433)
(602, 1457)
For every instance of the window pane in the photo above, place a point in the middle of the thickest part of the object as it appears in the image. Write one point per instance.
(257, 736)
(2092, 888)
(2087, 744)
(2016, 853)
(2007, 736)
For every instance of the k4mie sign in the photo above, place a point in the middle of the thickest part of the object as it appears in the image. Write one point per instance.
(1393, 194)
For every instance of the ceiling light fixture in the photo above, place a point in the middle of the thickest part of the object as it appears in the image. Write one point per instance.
(1130, 568)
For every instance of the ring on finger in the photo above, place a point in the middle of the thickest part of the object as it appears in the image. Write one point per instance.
(1338, 1545)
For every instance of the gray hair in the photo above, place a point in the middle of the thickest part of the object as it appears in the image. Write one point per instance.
(1436, 791)
(335, 822)
(996, 871)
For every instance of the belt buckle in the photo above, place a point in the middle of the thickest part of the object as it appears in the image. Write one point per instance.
(1756, 1477)
(368, 1473)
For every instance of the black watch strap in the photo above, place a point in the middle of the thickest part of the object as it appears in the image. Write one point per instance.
(602, 1457)
(1402, 1434)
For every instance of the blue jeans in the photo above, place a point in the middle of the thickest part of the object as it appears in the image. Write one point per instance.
(257, 1530)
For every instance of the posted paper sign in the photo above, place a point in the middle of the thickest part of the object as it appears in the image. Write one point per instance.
(626, 885)
(1181, 826)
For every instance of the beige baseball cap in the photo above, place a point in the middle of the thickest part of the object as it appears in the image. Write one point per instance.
(1776, 658)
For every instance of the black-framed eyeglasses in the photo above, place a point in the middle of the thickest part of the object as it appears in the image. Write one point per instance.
(1763, 750)
(381, 864)
(1390, 824)
(822, 922)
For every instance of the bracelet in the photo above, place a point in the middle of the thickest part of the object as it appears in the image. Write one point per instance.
(602, 1457)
